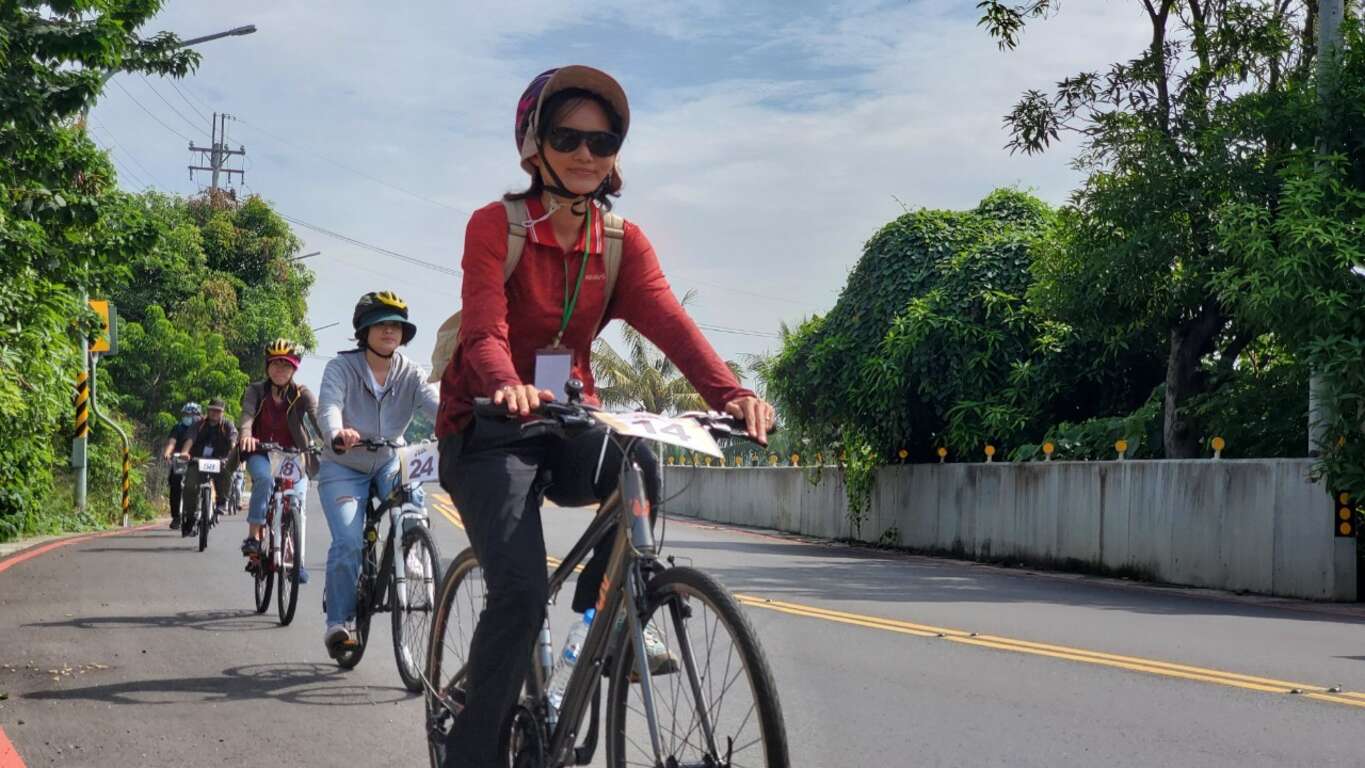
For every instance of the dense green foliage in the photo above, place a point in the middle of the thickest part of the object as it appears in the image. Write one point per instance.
(200, 284)
(934, 342)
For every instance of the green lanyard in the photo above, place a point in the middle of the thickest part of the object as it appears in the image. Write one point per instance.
(571, 302)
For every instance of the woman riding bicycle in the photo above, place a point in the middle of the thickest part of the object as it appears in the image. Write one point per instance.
(537, 326)
(368, 393)
(281, 411)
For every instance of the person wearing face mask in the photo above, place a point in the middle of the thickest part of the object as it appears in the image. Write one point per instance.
(214, 437)
(180, 436)
(276, 410)
(370, 392)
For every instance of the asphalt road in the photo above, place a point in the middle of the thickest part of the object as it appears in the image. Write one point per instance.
(136, 649)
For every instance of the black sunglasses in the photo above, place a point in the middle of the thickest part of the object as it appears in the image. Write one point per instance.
(600, 143)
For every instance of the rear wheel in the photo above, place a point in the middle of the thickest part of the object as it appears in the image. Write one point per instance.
(364, 608)
(288, 596)
(459, 601)
(412, 621)
(718, 706)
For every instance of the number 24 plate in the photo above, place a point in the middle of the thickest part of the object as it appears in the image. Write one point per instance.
(420, 462)
(684, 433)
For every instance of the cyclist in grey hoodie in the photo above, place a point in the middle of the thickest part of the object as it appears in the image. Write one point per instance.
(371, 392)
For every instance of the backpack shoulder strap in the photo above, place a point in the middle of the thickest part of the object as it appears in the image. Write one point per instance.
(614, 227)
(517, 216)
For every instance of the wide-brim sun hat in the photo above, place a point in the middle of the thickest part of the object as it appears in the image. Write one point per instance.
(552, 81)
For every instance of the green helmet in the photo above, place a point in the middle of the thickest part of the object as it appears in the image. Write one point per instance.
(382, 307)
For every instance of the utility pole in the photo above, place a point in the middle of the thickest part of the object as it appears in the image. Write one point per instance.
(1330, 13)
(217, 155)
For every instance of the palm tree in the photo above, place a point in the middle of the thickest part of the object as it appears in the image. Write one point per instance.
(644, 379)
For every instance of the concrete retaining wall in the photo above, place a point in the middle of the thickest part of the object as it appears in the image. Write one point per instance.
(1255, 525)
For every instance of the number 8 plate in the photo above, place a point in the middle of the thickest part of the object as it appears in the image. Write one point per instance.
(420, 462)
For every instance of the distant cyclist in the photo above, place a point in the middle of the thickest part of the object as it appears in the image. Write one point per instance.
(190, 415)
(370, 392)
(212, 438)
(276, 410)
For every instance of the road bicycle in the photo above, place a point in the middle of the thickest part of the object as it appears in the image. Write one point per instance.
(715, 705)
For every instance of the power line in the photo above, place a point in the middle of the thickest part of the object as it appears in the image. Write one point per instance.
(742, 292)
(351, 169)
(176, 88)
(189, 122)
(736, 331)
(149, 112)
(110, 135)
(377, 249)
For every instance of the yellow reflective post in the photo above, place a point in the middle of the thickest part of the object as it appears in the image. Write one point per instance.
(1048, 450)
(942, 454)
(1121, 446)
(1218, 445)
(990, 453)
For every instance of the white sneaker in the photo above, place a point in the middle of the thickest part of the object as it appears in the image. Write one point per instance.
(661, 661)
(336, 637)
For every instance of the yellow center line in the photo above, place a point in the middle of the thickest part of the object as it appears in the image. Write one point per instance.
(1130, 663)
(1062, 652)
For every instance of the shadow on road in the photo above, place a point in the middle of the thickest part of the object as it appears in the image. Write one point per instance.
(296, 683)
(240, 620)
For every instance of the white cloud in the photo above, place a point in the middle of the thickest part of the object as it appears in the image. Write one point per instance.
(768, 176)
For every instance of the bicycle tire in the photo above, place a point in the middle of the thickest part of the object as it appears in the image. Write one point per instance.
(264, 575)
(289, 565)
(679, 592)
(409, 641)
(364, 610)
(205, 518)
(445, 690)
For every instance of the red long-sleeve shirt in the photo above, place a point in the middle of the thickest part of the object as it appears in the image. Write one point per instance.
(503, 325)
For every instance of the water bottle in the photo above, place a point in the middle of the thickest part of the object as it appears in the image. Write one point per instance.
(573, 645)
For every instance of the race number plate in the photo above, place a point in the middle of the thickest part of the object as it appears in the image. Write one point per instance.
(289, 470)
(684, 433)
(210, 466)
(420, 462)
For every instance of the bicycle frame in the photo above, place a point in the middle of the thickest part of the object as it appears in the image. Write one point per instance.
(400, 507)
(281, 489)
(633, 552)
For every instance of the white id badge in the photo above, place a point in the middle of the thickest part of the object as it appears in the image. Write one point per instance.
(553, 368)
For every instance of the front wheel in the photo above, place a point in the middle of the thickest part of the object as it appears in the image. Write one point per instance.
(412, 604)
(718, 706)
(264, 573)
(290, 546)
(459, 601)
(205, 517)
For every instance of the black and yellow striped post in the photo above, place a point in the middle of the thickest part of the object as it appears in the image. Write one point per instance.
(82, 403)
(127, 482)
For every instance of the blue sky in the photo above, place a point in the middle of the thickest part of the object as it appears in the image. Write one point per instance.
(768, 141)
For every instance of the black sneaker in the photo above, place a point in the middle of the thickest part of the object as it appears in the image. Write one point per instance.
(175, 523)
(251, 547)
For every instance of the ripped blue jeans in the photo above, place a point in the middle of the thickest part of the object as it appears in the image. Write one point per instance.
(342, 490)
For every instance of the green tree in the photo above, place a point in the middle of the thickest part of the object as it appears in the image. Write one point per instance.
(1207, 115)
(54, 238)
(644, 379)
(162, 365)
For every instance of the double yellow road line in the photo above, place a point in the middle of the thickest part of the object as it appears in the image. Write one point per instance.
(995, 642)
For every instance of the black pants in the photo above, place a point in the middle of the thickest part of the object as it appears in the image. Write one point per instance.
(175, 482)
(498, 483)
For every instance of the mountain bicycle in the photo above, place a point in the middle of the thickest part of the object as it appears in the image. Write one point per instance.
(400, 576)
(717, 706)
(280, 556)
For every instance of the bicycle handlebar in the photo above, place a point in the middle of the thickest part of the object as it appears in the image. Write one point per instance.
(370, 444)
(264, 446)
(572, 415)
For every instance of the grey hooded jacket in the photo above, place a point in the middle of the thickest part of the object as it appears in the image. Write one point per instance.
(346, 400)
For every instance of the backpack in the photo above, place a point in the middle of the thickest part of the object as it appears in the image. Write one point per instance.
(448, 335)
